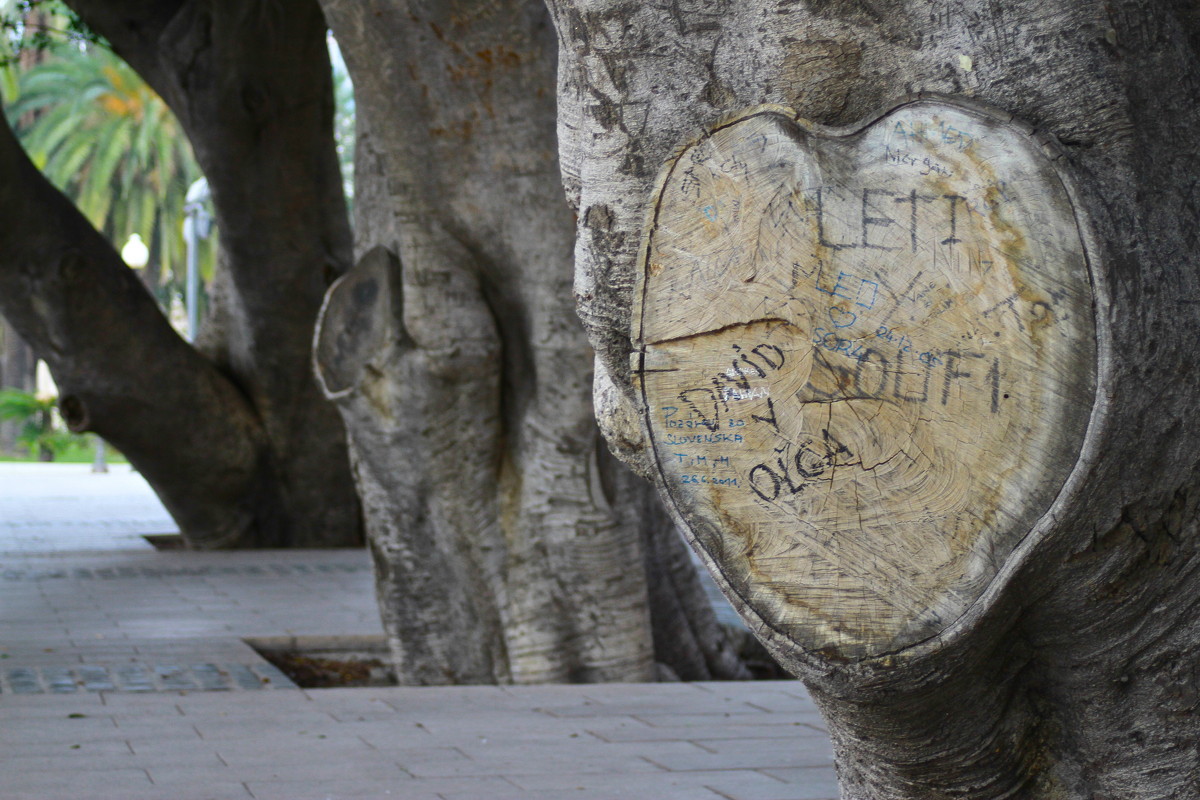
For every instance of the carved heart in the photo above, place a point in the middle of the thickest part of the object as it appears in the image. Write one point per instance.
(867, 363)
(842, 319)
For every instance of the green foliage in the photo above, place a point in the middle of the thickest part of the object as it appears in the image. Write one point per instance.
(9, 85)
(35, 25)
(81, 451)
(103, 137)
(18, 405)
(41, 432)
(99, 134)
(109, 142)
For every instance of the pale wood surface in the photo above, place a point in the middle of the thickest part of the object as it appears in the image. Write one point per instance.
(867, 362)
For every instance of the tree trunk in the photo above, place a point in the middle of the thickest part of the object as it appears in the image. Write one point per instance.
(18, 370)
(896, 305)
(122, 371)
(18, 364)
(252, 86)
(509, 546)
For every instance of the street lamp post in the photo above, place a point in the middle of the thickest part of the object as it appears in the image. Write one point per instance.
(197, 223)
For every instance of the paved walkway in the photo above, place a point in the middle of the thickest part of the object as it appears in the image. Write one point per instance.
(124, 673)
(55, 508)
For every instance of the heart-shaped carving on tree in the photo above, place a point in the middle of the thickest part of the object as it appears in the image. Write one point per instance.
(842, 318)
(860, 356)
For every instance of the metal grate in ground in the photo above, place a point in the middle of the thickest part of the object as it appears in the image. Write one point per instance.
(143, 678)
(199, 571)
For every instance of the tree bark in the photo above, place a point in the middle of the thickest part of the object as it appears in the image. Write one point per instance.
(752, 182)
(18, 370)
(252, 87)
(122, 371)
(508, 545)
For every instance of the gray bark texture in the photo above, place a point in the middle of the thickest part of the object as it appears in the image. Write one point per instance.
(509, 545)
(1076, 673)
(251, 85)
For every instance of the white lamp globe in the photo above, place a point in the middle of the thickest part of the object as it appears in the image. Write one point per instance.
(135, 253)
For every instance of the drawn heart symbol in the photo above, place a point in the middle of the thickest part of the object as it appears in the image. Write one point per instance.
(859, 497)
(842, 319)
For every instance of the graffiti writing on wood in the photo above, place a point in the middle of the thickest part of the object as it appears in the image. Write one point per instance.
(861, 355)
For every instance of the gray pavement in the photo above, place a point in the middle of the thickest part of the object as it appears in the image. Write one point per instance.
(57, 508)
(125, 673)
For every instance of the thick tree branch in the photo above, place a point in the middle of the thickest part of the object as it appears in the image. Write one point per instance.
(121, 369)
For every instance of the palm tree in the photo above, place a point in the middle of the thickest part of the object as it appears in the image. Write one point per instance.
(110, 143)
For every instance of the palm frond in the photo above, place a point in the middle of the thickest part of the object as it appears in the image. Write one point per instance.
(110, 143)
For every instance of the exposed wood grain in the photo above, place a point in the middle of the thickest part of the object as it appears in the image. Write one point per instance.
(866, 360)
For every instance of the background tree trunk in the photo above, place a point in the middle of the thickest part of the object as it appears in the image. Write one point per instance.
(1068, 667)
(509, 546)
(18, 370)
(121, 370)
(18, 363)
(251, 85)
